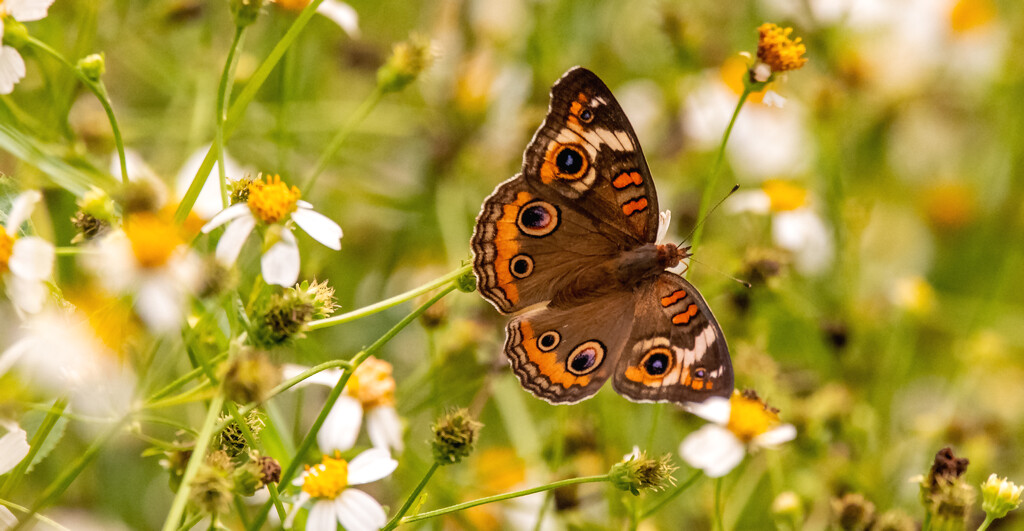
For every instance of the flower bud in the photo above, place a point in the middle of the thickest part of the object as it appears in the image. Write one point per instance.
(999, 496)
(467, 282)
(638, 472)
(408, 59)
(853, 512)
(944, 494)
(245, 11)
(270, 469)
(212, 486)
(283, 317)
(455, 434)
(894, 520)
(93, 66)
(14, 33)
(250, 376)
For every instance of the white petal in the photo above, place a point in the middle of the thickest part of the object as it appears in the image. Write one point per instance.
(342, 14)
(299, 502)
(713, 449)
(358, 511)
(32, 258)
(21, 209)
(280, 264)
(664, 220)
(7, 519)
(319, 227)
(753, 201)
(209, 201)
(138, 170)
(13, 446)
(226, 215)
(27, 10)
(776, 436)
(159, 303)
(384, 428)
(715, 409)
(803, 233)
(341, 427)
(371, 465)
(12, 69)
(233, 239)
(773, 99)
(322, 517)
(27, 294)
(13, 354)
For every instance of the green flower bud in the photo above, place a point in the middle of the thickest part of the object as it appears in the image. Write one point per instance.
(247, 478)
(999, 496)
(246, 11)
(93, 66)
(467, 282)
(15, 33)
(455, 434)
(638, 472)
(250, 376)
(408, 59)
(212, 490)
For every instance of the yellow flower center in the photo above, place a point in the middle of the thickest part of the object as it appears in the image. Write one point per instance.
(153, 240)
(750, 417)
(971, 14)
(272, 200)
(327, 479)
(784, 195)
(777, 50)
(372, 384)
(6, 247)
(293, 5)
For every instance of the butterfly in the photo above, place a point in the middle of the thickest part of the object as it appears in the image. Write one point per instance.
(568, 248)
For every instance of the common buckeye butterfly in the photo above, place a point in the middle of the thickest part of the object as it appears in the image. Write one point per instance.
(568, 247)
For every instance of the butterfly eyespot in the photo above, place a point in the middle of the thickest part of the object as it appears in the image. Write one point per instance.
(521, 265)
(569, 161)
(586, 116)
(700, 374)
(548, 341)
(657, 361)
(538, 218)
(585, 358)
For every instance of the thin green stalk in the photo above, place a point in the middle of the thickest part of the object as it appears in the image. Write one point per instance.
(672, 495)
(184, 379)
(52, 416)
(64, 480)
(197, 458)
(223, 95)
(927, 524)
(99, 90)
(310, 438)
(334, 145)
(41, 518)
(718, 505)
(988, 521)
(709, 186)
(412, 497)
(191, 522)
(390, 302)
(237, 109)
(502, 497)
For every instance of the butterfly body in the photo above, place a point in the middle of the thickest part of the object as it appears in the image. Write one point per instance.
(568, 248)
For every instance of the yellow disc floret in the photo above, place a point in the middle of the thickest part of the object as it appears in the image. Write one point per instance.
(6, 249)
(750, 417)
(372, 384)
(784, 195)
(153, 239)
(777, 50)
(327, 479)
(272, 200)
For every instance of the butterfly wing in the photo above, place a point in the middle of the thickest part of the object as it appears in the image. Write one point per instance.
(676, 351)
(563, 356)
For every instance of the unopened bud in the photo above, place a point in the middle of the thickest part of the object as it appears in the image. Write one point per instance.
(93, 66)
(455, 434)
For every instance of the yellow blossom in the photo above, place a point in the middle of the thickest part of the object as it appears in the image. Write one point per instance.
(750, 417)
(327, 479)
(777, 50)
(272, 200)
(153, 240)
(372, 384)
(6, 250)
(784, 195)
(968, 15)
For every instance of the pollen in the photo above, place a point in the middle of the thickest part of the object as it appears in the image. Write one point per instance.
(326, 479)
(750, 417)
(153, 239)
(372, 384)
(784, 195)
(6, 249)
(777, 50)
(272, 200)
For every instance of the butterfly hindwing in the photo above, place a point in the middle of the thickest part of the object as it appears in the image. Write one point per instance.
(676, 351)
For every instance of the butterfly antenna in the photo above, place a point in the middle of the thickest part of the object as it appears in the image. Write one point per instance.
(708, 215)
(744, 283)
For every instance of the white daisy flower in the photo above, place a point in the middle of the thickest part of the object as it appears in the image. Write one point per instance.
(327, 484)
(276, 205)
(741, 424)
(13, 448)
(148, 258)
(12, 66)
(338, 12)
(25, 263)
(369, 394)
(796, 226)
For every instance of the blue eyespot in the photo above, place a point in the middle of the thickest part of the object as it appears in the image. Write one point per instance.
(585, 358)
(569, 161)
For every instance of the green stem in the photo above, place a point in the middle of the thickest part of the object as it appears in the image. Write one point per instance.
(334, 145)
(310, 438)
(99, 90)
(672, 495)
(709, 186)
(502, 497)
(223, 95)
(41, 518)
(184, 379)
(412, 498)
(237, 109)
(718, 505)
(655, 416)
(388, 303)
(52, 416)
(927, 524)
(988, 521)
(197, 458)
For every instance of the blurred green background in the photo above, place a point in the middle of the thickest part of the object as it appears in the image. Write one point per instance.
(903, 333)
